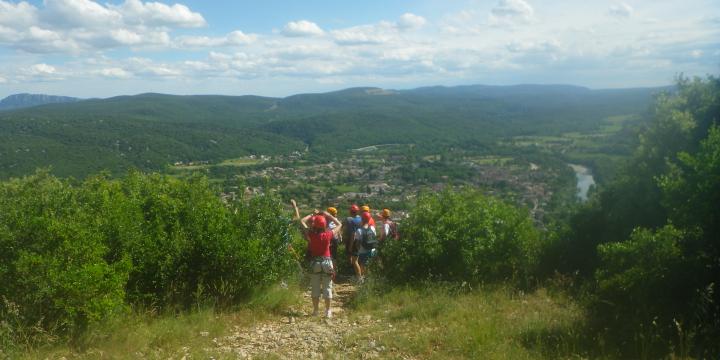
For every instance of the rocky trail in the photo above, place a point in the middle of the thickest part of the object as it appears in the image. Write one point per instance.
(299, 335)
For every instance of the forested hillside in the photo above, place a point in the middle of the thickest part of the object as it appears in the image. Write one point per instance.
(151, 131)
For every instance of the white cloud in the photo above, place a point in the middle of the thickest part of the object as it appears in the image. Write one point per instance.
(16, 15)
(545, 46)
(41, 69)
(302, 28)
(198, 65)
(2, 80)
(126, 37)
(238, 37)
(39, 72)
(8, 35)
(74, 26)
(483, 43)
(379, 33)
(621, 10)
(115, 72)
(159, 14)
(39, 40)
(511, 11)
(411, 21)
(234, 38)
(70, 14)
(149, 68)
(364, 34)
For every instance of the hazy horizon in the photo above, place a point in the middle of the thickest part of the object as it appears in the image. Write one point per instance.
(342, 89)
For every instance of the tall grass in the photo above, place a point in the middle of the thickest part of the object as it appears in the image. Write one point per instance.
(445, 322)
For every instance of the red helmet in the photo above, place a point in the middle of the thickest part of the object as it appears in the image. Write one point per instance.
(354, 208)
(366, 217)
(319, 222)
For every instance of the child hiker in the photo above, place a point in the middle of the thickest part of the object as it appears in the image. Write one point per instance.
(319, 237)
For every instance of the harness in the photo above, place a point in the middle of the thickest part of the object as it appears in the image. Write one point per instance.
(319, 264)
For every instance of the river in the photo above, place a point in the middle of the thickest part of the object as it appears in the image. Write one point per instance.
(584, 180)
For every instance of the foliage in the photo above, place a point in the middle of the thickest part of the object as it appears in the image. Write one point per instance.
(634, 198)
(54, 266)
(634, 280)
(648, 241)
(73, 255)
(462, 236)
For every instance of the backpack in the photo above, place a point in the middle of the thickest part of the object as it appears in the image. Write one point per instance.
(349, 227)
(368, 240)
(393, 233)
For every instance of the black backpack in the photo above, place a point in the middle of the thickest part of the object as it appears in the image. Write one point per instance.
(368, 240)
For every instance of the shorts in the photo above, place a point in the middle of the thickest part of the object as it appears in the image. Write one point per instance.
(321, 275)
(321, 284)
(334, 248)
(364, 258)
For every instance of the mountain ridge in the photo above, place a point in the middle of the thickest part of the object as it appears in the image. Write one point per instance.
(25, 100)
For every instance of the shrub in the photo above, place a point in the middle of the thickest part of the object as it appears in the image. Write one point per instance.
(53, 259)
(463, 236)
(642, 288)
(71, 255)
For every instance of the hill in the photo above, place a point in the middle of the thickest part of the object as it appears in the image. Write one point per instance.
(19, 101)
(149, 131)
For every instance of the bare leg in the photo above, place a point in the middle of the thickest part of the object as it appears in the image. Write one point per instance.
(356, 265)
(316, 305)
(327, 308)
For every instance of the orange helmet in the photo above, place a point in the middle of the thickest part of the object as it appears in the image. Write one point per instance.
(332, 211)
(385, 213)
(365, 208)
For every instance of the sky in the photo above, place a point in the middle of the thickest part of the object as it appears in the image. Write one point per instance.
(88, 48)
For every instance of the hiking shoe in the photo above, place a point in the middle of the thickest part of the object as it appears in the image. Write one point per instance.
(328, 314)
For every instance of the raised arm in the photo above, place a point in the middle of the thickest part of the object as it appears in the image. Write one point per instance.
(338, 224)
(297, 212)
(304, 222)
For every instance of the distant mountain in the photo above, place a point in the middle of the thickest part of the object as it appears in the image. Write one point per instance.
(19, 101)
(149, 131)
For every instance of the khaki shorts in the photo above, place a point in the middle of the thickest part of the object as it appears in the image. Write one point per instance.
(321, 283)
(321, 274)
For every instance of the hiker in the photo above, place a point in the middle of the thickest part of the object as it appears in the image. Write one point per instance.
(336, 238)
(389, 228)
(350, 224)
(322, 272)
(365, 243)
(366, 209)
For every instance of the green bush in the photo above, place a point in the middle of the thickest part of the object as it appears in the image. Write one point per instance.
(53, 259)
(643, 292)
(647, 244)
(463, 236)
(72, 255)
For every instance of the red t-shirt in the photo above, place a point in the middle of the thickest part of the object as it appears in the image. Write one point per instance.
(320, 243)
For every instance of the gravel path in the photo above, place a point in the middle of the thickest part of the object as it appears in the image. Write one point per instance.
(302, 336)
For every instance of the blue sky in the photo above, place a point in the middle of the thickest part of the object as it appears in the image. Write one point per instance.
(87, 48)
